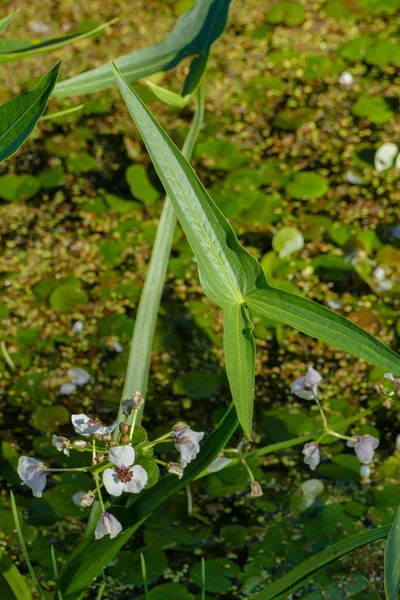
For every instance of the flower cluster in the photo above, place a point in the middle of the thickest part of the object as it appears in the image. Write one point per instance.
(364, 446)
(115, 462)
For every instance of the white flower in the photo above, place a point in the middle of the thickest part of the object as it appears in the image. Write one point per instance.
(77, 327)
(123, 477)
(33, 474)
(78, 376)
(391, 377)
(80, 444)
(86, 426)
(85, 499)
(61, 443)
(107, 525)
(353, 178)
(186, 442)
(307, 387)
(346, 78)
(311, 455)
(66, 389)
(364, 447)
(255, 489)
(398, 442)
(40, 27)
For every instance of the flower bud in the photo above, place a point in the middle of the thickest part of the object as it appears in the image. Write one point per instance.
(179, 426)
(175, 469)
(125, 439)
(86, 499)
(112, 444)
(378, 387)
(138, 400)
(255, 489)
(123, 427)
(106, 437)
(100, 458)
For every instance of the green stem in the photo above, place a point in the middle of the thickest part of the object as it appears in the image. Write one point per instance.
(298, 440)
(96, 478)
(137, 372)
(84, 469)
(160, 440)
(132, 429)
(321, 410)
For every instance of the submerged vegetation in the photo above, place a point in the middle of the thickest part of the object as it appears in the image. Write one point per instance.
(298, 150)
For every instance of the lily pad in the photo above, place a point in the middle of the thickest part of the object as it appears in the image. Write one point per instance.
(49, 418)
(287, 13)
(287, 241)
(290, 119)
(81, 163)
(52, 178)
(68, 296)
(140, 184)
(220, 154)
(15, 188)
(307, 186)
(219, 574)
(197, 384)
(374, 108)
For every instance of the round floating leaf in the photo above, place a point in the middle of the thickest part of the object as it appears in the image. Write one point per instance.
(385, 155)
(288, 13)
(197, 384)
(81, 163)
(115, 324)
(233, 535)
(287, 241)
(120, 205)
(307, 186)
(52, 178)
(112, 252)
(220, 154)
(127, 567)
(219, 574)
(49, 418)
(68, 296)
(140, 184)
(290, 119)
(18, 187)
(373, 108)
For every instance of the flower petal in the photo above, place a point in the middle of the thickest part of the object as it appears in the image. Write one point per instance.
(138, 481)
(121, 456)
(80, 424)
(112, 483)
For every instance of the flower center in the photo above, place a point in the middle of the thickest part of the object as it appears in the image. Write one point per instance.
(95, 421)
(125, 474)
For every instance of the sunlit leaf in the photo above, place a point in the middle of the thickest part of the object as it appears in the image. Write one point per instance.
(392, 560)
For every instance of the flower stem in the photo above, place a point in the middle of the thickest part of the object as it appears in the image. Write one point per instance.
(94, 451)
(69, 469)
(321, 410)
(96, 478)
(163, 438)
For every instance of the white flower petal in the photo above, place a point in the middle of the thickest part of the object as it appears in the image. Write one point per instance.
(66, 389)
(121, 456)
(138, 481)
(112, 483)
(78, 376)
(107, 525)
(33, 474)
(80, 423)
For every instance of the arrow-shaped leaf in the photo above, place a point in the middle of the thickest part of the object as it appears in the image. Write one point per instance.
(194, 33)
(19, 116)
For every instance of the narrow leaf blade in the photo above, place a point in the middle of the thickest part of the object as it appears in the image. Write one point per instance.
(11, 50)
(289, 583)
(392, 560)
(324, 324)
(240, 359)
(12, 584)
(194, 33)
(5, 21)
(19, 116)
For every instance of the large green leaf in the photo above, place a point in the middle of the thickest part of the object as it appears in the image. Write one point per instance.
(12, 585)
(240, 358)
(5, 21)
(90, 557)
(17, 49)
(289, 583)
(227, 271)
(322, 323)
(392, 560)
(194, 33)
(19, 116)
